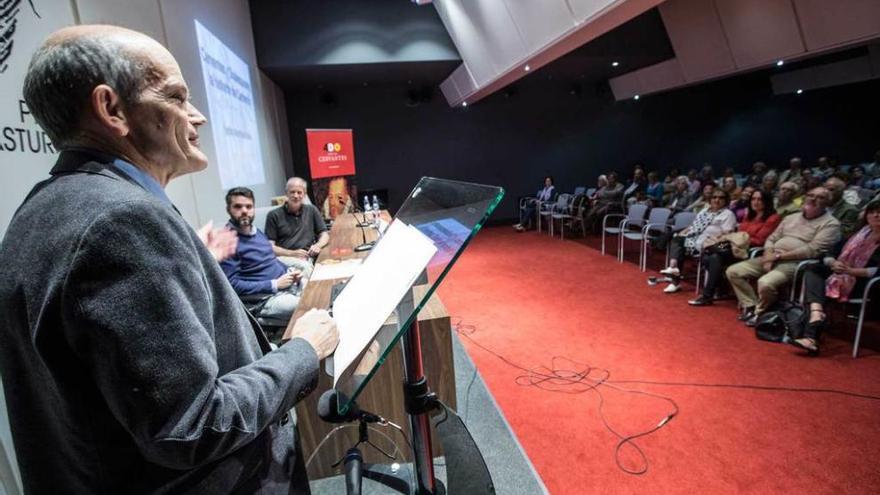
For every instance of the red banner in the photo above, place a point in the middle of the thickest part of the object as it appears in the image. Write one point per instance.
(331, 152)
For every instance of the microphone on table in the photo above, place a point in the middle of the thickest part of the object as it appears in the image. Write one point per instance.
(328, 410)
(356, 208)
(365, 246)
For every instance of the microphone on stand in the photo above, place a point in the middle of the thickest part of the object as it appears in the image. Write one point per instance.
(365, 246)
(359, 223)
(328, 410)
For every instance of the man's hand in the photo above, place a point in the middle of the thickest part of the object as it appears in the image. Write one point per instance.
(314, 250)
(299, 253)
(222, 243)
(318, 329)
(286, 280)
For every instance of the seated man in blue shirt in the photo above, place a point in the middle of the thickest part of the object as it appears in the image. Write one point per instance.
(268, 288)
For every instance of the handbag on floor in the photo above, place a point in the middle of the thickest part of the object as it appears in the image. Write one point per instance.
(783, 322)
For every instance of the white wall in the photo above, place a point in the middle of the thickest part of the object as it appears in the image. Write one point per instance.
(198, 196)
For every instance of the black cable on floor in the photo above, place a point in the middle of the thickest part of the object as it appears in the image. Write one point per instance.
(583, 378)
(579, 378)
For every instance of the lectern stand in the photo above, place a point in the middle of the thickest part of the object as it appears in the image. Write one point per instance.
(448, 214)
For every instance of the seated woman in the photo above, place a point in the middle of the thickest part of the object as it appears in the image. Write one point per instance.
(527, 211)
(654, 190)
(760, 222)
(740, 205)
(842, 277)
(714, 221)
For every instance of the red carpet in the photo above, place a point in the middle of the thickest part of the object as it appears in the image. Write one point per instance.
(531, 298)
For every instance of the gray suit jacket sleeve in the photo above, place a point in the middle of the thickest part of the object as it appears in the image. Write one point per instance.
(150, 323)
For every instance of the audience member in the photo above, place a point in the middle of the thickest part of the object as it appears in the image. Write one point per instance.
(601, 183)
(802, 236)
(703, 201)
(740, 207)
(872, 169)
(532, 206)
(759, 223)
(637, 184)
(269, 289)
(296, 229)
(757, 176)
(840, 278)
(695, 185)
(787, 199)
(680, 197)
(669, 183)
(707, 175)
(713, 221)
(728, 183)
(769, 182)
(824, 168)
(845, 213)
(654, 190)
(793, 173)
(607, 200)
(857, 177)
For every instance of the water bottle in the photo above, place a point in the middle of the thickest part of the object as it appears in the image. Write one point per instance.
(366, 206)
(376, 211)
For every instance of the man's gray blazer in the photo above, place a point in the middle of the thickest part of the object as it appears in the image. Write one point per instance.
(129, 363)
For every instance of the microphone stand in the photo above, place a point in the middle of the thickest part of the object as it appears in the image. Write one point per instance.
(365, 246)
(360, 223)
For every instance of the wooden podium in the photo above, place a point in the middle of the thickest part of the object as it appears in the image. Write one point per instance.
(383, 395)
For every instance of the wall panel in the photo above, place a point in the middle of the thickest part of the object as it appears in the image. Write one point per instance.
(696, 35)
(760, 31)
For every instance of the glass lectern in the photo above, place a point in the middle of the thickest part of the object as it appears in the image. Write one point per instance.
(446, 214)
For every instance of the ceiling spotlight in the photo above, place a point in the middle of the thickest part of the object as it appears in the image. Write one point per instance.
(799, 91)
(636, 97)
(527, 68)
(464, 103)
(615, 64)
(779, 63)
(421, 2)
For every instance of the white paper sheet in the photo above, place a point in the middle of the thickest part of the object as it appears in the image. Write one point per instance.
(334, 271)
(374, 291)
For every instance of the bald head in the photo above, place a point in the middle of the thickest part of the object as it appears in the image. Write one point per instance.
(74, 60)
(835, 187)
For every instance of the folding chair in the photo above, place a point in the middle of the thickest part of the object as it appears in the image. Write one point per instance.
(635, 216)
(658, 220)
(562, 202)
(574, 213)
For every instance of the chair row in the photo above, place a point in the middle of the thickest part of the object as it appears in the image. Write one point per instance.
(659, 223)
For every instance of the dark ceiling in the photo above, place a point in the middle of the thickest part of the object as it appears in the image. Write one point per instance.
(638, 43)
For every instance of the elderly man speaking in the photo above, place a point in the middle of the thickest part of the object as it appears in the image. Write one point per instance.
(129, 364)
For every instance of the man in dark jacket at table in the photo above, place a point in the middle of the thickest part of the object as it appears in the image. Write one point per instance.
(128, 362)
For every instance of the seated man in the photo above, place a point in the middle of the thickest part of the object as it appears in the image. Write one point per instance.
(787, 200)
(845, 213)
(800, 236)
(297, 230)
(268, 288)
